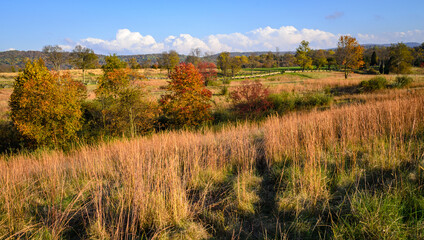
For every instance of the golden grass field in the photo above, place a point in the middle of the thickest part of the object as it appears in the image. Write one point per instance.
(339, 173)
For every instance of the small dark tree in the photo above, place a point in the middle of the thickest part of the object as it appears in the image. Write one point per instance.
(374, 60)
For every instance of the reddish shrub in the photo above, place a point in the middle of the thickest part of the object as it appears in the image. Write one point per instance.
(251, 99)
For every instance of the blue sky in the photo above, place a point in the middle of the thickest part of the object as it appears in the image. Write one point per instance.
(137, 27)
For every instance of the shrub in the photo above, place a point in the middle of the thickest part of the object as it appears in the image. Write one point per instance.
(403, 81)
(251, 99)
(9, 137)
(283, 102)
(372, 71)
(286, 102)
(44, 109)
(373, 84)
(187, 102)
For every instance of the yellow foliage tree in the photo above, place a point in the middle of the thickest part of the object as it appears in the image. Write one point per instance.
(349, 54)
(46, 111)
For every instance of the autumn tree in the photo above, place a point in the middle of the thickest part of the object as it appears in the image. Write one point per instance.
(400, 59)
(45, 111)
(187, 102)
(208, 71)
(83, 58)
(302, 55)
(125, 109)
(349, 54)
(224, 62)
(55, 55)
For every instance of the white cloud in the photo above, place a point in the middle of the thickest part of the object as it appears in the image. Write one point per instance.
(394, 37)
(126, 42)
(286, 38)
(11, 49)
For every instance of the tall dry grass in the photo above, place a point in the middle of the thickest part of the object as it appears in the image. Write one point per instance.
(149, 186)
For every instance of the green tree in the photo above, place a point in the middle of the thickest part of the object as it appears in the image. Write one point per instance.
(187, 102)
(134, 64)
(331, 60)
(302, 55)
(55, 56)
(349, 54)
(84, 58)
(112, 62)
(400, 59)
(45, 111)
(169, 60)
(235, 65)
(319, 59)
(224, 62)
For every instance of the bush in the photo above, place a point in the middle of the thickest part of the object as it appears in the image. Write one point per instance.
(403, 81)
(373, 84)
(251, 99)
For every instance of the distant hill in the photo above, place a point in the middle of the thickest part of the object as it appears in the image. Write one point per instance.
(409, 44)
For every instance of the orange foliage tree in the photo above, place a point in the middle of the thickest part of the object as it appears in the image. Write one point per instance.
(349, 54)
(46, 110)
(187, 102)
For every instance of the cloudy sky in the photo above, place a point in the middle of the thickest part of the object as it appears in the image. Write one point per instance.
(139, 26)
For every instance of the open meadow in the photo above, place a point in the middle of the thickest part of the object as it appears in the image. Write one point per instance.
(352, 168)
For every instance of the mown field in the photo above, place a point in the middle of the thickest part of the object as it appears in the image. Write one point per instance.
(350, 169)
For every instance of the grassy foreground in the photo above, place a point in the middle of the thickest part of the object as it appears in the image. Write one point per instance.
(352, 172)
